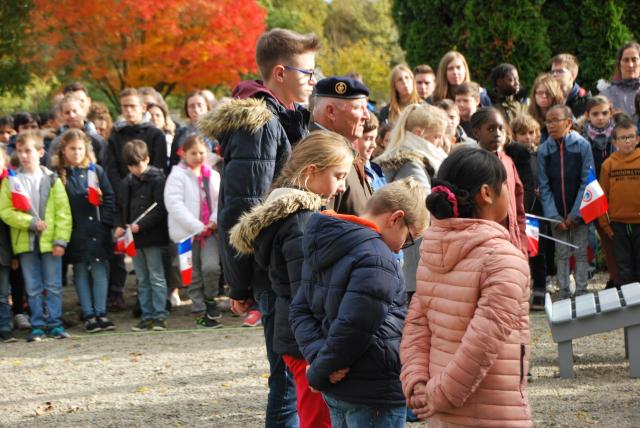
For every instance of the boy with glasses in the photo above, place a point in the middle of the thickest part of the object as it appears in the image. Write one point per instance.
(564, 161)
(564, 68)
(619, 180)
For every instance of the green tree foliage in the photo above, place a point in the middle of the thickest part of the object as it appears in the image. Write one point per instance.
(510, 31)
(631, 17)
(33, 96)
(13, 22)
(303, 16)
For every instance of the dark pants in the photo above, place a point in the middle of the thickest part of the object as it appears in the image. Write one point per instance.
(18, 294)
(117, 275)
(281, 401)
(626, 250)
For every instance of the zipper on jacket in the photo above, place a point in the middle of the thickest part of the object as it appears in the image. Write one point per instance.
(564, 198)
(523, 350)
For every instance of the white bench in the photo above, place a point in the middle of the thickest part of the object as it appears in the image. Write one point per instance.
(594, 313)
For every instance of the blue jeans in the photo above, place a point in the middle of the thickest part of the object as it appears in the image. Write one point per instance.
(92, 294)
(5, 291)
(43, 272)
(281, 401)
(152, 286)
(349, 415)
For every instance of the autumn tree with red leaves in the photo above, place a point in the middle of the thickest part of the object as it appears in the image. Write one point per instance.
(168, 44)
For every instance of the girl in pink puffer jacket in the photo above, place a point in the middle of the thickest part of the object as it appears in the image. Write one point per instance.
(465, 347)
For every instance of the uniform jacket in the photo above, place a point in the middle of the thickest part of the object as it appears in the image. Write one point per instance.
(619, 179)
(255, 134)
(467, 330)
(349, 310)
(57, 214)
(138, 194)
(563, 173)
(90, 237)
(123, 133)
(182, 201)
(273, 233)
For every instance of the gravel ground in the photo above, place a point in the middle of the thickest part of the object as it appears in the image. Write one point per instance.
(218, 378)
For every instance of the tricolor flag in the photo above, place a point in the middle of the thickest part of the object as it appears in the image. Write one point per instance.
(19, 196)
(594, 203)
(93, 185)
(125, 244)
(533, 235)
(186, 264)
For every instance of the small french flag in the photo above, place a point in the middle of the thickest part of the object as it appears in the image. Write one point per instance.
(533, 235)
(125, 244)
(594, 202)
(186, 264)
(93, 186)
(19, 196)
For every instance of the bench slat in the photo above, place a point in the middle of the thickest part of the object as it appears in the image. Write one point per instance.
(609, 300)
(561, 311)
(585, 305)
(631, 293)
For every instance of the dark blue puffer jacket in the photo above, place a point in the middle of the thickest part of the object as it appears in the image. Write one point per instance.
(349, 311)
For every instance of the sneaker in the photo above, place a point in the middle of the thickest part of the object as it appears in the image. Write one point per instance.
(21, 322)
(207, 322)
(253, 319)
(143, 325)
(174, 298)
(105, 324)
(59, 333)
(159, 325)
(7, 337)
(91, 325)
(36, 335)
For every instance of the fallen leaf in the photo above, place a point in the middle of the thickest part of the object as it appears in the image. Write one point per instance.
(143, 389)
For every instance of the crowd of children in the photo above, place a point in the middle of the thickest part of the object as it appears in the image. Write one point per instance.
(369, 310)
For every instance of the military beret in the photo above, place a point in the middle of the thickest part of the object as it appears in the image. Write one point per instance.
(341, 87)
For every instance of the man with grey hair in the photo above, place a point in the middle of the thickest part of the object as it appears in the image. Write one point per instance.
(340, 105)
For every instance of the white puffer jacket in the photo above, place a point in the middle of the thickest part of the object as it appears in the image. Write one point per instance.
(182, 200)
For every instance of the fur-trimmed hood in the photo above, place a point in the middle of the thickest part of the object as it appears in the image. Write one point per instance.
(403, 157)
(250, 114)
(281, 203)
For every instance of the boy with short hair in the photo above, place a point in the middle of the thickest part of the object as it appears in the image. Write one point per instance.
(619, 181)
(564, 69)
(143, 186)
(425, 79)
(36, 209)
(6, 130)
(365, 146)
(564, 161)
(467, 99)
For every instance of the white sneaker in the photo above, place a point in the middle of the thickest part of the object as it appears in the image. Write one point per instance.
(21, 322)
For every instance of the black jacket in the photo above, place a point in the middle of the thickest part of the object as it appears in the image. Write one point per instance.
(349, 311)
(90, 237)
(273, 232)
(255, 135)
(138, 194)
(156, 144)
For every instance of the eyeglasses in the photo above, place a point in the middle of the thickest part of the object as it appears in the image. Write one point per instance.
(309, 73)
(555, 122)
(410, 242)
(559, 71)
(626, 138)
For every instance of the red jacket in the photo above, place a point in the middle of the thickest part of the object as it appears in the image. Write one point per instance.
(516, 220)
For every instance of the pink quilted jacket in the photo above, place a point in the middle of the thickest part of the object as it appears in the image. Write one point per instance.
(467, 330)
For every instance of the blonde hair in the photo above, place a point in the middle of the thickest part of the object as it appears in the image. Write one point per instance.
(443, 89)
(414, 116)
(525, 123)
(323, 149)
(395, 104)
(58, 160)
(552, 88)
(407, 195)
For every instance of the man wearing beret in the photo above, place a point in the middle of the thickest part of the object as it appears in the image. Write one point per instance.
(341, 106)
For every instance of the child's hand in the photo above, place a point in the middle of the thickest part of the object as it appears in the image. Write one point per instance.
(312, 389)
(15, 264)
(610, 234)
(119, 232)
(562, 226)
(57, 251)
(134, 228)
(240, 307)
(418, 396)
(423, 412)
(338, 375)
(213, 226)
(40, 225)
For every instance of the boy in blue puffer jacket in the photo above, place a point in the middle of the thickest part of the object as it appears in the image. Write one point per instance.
(349, 311)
